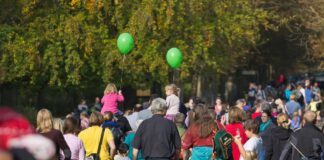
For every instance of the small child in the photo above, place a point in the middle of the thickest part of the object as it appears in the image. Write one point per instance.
(111, 98)
(295, 122)
(172, 100)
(179, 121)
(274, 112)
(122, 152)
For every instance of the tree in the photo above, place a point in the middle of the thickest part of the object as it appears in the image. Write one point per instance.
(64, 43)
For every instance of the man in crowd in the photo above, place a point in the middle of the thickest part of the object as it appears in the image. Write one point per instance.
(157, 137)
(306, 143)
(293, 106)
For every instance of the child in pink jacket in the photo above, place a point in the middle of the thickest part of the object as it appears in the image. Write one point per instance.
(111, 98)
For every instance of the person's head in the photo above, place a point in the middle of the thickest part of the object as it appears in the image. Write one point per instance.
(236, 115)
(84, 115)
(309, 118)
(123, 149)
(71, 126)
(83, 101)
(95, 119)
(108, 116)
(240, 103)
(138, 107)
(251, 127)
(315, 84)
(205, 124)
(283, 120)
(265, 116)
(58, 124)
(110, 88)
(97, 100)
(179, 118)
(159, 106)
(194, 114)
(44, 120)
(278, 102)
(258, 104)
(292, 97)
(288, 86)
(218, 101)
(171, 89)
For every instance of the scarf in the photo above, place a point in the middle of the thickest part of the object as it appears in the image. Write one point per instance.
(264, 126)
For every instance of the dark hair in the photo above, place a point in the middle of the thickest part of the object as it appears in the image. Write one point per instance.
(236, 115)
(205, 124)
(123, 148)
(71, 125)
(252, 125)
(322, 113)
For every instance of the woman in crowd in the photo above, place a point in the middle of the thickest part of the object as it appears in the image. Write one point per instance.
(235, 128)
(91, 138)
(266, 121)
(199, 137)
(45, 128)
(251, 149)
(71, 130)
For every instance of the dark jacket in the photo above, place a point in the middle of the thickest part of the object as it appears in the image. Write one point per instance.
(275, 143)
(309, 141)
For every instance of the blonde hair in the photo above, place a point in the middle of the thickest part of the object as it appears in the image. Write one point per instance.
(251, 155)
(282, 117)
(173, 88)
(44, 121)
(111, 88)
(58, 124)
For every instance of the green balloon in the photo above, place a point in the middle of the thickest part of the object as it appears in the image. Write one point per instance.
(125, 43)
(174, 57)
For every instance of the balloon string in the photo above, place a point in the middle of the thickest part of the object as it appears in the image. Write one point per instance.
(122, 73)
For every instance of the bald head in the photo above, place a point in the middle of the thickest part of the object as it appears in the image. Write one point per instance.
(310, 117)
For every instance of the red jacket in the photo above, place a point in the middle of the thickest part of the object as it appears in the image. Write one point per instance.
(192, 139)
(256, 114)
(231, 128)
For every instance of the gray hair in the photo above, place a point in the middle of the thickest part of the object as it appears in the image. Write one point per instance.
(158, 105)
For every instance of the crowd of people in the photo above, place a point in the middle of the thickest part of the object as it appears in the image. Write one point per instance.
(279, 122)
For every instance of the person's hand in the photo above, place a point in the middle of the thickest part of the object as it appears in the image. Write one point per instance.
(237, 139)
(223, 120)
(120, 92)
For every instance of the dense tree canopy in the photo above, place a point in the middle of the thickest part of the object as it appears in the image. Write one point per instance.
(73, 42)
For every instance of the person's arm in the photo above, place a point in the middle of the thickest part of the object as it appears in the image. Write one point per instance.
(177, 141)
(135, 153)
(120, 97)
(112, 147)
(299, 112)
(187, 144)
(137, 141)
(237, 140)
(63, 145)
(81, 151)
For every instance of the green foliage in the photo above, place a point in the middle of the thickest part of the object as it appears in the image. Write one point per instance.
(73, 43)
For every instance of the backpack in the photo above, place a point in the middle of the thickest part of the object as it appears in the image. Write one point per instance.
(222, 145)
